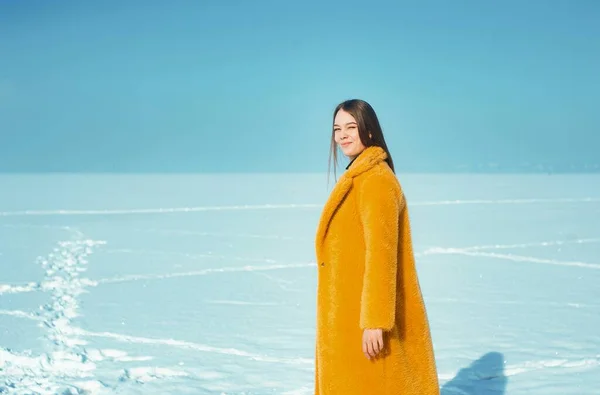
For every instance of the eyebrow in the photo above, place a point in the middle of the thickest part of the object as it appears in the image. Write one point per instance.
(347, 123)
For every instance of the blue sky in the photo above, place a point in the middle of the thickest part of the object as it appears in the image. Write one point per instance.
(212, 86)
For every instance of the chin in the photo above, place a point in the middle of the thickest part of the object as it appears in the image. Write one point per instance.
(348, 151)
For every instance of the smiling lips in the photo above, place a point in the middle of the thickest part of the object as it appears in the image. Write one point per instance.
(345, 144)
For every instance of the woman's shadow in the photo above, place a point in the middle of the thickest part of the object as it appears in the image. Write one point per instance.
(484, 376)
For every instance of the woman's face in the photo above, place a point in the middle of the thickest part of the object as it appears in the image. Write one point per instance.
(346, 135)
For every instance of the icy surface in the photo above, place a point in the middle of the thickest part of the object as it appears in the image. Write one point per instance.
(206, 284)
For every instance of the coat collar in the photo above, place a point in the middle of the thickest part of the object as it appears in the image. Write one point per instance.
(369, 158)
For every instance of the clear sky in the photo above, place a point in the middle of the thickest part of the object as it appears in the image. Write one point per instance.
(249, 86)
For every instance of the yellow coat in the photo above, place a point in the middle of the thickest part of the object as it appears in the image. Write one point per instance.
(367, 279)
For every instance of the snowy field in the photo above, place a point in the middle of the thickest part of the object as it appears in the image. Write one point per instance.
(206, 284)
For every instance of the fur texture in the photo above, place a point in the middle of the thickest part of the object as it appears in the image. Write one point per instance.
(367, 279)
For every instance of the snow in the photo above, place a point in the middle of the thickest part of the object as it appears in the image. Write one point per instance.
(205, 284)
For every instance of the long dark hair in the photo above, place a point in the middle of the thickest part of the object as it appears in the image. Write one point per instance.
(368, 124)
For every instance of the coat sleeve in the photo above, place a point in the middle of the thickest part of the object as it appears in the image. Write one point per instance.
(380, 202)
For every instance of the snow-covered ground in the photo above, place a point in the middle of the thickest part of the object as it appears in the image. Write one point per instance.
(205, 284)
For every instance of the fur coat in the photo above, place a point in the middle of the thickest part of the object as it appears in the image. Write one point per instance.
(367, 279)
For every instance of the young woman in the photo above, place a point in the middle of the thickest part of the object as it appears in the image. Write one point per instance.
(373, 334)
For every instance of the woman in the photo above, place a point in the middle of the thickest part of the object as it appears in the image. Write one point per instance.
(373, 334)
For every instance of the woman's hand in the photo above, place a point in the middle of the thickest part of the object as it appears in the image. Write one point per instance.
(372, 342)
